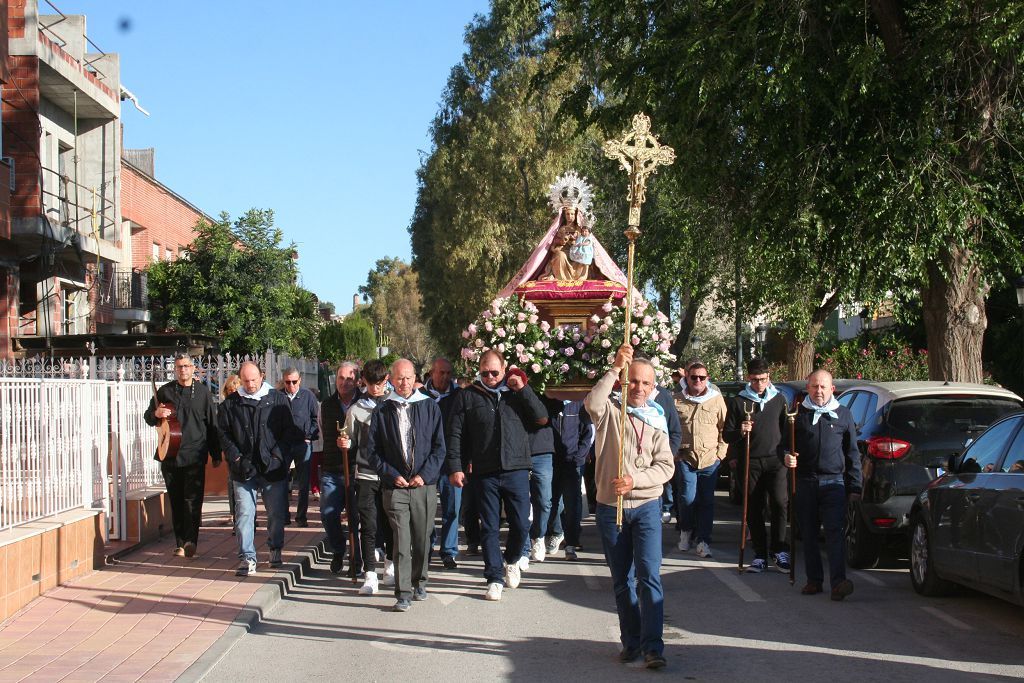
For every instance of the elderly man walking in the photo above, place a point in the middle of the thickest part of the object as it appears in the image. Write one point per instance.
(406, 447)
(306, 416)
(633, 553)
(257, 435)
(335, 482)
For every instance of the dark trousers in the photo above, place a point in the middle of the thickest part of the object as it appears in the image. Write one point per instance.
(820, 503)
(566, 489)
(371, 520)
(490, 490)
(185, 490)
(768, 480)
(589, 474)
(411, 515)
(470, 514)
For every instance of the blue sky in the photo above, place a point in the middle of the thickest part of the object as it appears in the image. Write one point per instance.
(319, 111)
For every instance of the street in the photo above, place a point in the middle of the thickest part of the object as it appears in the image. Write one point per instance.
(560, 623)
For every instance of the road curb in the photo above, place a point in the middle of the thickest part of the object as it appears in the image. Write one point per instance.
(262, 602)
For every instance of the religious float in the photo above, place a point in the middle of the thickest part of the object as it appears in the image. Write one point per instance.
(563, 314)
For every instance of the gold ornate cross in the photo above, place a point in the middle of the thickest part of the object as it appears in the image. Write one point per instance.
(640, 154)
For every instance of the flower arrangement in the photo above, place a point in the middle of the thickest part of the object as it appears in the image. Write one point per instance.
(554, 355)
(883, 359)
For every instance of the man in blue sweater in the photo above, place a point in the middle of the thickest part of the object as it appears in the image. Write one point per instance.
(827, 463)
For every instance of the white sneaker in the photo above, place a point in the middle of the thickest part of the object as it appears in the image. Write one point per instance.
(703, 549)
(538, 550)
(684, 540)
(246, 568)
(493, 592)
(513, 575)
(389, 573)
(524, 564)
(554, 543)
(369, 586)
(757, 566)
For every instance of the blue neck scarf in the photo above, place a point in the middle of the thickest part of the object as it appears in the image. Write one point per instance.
(706, 396)
(501, 388)
(413, 398)
(769, 393)
(827, 409)
(652, 413)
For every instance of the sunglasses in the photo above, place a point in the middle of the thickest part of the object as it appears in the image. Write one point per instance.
(698, 378)
(490, 373)
(291, 381)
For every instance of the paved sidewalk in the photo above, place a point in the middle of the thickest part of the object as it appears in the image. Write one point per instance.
(151, 615)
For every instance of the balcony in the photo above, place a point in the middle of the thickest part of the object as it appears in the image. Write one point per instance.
(131, 297)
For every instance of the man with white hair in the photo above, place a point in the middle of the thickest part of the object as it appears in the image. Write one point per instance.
(633, 553)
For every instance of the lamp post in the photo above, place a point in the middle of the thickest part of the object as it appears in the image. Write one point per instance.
(760, 335)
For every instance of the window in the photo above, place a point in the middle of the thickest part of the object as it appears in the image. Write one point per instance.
(983, 455)
(168, 254)
(156, 251)
(1014, 460)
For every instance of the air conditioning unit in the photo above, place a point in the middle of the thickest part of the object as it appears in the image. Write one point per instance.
(10, 164)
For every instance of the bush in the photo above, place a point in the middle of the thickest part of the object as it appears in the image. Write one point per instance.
(884, 359)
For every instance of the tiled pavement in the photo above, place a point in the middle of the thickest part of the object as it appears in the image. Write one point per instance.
(151, 615)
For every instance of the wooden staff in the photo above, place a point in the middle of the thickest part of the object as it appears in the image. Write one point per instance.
(352, 570)
(631, 234)
(748, 412)
(791, 416)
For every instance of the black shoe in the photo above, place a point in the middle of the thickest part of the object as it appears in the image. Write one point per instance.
(652, 660)
(190, 549)
(449, 562)
(301, 523)
(419, 593)
(402, 605)
(337, 561)
(628, 655)
(472, 549)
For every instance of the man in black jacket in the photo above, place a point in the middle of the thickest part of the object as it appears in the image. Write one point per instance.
(258, 438)
(306, 416)
(574, 439)
(827, 463)
(766, 426)
(488, 438)
(336, 485)
(185, 474)
(442, 389)
(407, 450)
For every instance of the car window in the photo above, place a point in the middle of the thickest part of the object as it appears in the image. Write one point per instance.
(946, 422)
(859, 407)
(847, 398)
(872, 406)
(1014, 460)
(984, 454)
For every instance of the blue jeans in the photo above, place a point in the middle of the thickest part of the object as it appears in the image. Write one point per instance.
(540, 496)
(634, 558)
(490, 490)
(695, 498)
(820, 504)
(568, 494)
(332, 502)
(275, 501)
(302, 479)
(451, 502)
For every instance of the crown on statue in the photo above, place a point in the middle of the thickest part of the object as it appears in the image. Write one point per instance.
(570, 190)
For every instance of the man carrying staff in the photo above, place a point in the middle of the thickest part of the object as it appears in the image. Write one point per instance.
(258, 437)
(827, 463)
(185, 473)
(766, 409)
(334, 480)
(633, 553)
(407, 449)
(488, 437)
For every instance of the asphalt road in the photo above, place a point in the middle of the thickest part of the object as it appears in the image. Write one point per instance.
(560, 623)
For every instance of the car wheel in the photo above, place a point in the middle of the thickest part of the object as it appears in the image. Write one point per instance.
(861, 544)
(922, 569)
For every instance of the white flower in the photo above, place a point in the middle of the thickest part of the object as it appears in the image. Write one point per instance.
(478, 342)
(539, 346)
(607, 320)
(533, 319)
(602, 329)
(595, 318)
(544, 325)
(607, 308)
(520, 316)
(501, 348)
(568, 351)
(520, 348)
(521, 328)
(606, 343)
(488, 326)
(535, 367)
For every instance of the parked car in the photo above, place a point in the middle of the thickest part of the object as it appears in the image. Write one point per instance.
(967, 526)
(906, 433)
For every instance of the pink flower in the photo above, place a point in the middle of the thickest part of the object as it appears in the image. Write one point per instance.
(635, 340)
(521, 328)
(539, 346)
(501, 332)
(524, 359)
(632, 327)
(467, 353)
(488, 326)
(478, 342)
(859, 376)
(535, 367)
(545, 326)
(606, 343)
(501, 348)
(547, 362)
(607, 308)
(471, 329)
(662, 317)
(466, 334)
(607, 320)
(580, 345)
(864, 352)
(603, 328)
(591, 374)
(595, 319)
(520, 316)
(520, 348)
(568, 351)
(563, 368)
(647, 321)
(533, 319)
(485, 315)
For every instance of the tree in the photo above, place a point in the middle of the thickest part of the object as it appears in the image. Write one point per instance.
(349, 339)
(237, 282)
(396, 306)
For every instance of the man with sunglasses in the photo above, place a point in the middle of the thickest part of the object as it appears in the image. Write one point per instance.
(760, 410)
(306, 416)
(488, 437)
(702, 413)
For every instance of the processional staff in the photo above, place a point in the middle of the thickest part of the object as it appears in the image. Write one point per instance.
(640, 154)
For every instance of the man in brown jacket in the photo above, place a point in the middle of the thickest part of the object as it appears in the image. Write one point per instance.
(633, 553)
(702, 413)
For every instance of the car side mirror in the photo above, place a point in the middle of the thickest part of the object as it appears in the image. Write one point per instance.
(951, 462)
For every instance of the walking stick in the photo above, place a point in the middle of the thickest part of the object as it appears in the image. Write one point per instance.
(352, 571)
(791, 416)
(631, 234)
(748, 413)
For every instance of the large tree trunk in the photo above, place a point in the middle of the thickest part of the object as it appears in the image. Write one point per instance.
(954, 315)
(800, 354)
(688, 307)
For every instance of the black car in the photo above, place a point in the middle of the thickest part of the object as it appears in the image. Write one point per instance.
(967, 526)
(906, 433)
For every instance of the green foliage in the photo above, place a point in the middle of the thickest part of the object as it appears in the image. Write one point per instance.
(883, 359)
(237, 282)
(396, 306)
(349, 339)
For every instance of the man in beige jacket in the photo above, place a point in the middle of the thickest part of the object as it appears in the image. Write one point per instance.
(633, 553)
(702, 414)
